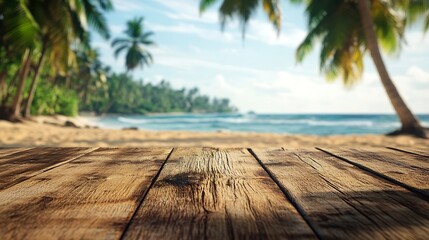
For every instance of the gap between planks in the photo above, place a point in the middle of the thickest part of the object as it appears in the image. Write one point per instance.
(419, 192)
(18, 173)
(4, 152)
(330, 174)
(225, 193)
(145, 194)
(287, 194)
(410, 151)
(93, 197)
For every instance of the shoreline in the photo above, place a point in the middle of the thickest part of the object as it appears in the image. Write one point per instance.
(50, 131)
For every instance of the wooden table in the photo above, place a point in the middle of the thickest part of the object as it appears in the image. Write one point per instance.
(210, 193)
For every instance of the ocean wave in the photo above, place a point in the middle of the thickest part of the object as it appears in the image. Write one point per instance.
(131, 120)
(259, 121)
(341, 123)
(182, 120)
(314, 124)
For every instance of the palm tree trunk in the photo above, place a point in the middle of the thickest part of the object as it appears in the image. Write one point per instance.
(29, 101)
(3, 86)
(8, 89)
(16, 105)
(68, 80)
(410, 124)
(85, 90)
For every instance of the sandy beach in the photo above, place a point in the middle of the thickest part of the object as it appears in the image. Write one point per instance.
(50, 131)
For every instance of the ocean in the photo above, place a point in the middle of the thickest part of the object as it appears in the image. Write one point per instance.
(312, 124)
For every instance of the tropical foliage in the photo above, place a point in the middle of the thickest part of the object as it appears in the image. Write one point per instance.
(137, 97)
(336, 24)
(347, 30)
(243, 10)
(50, 40)
(42, 30)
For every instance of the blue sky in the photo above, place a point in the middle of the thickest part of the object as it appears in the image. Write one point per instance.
(259, 73)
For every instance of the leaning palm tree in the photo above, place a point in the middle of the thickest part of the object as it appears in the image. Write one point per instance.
(347, 30)
(135, 45)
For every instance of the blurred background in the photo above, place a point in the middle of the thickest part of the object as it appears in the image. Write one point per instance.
(299, 67)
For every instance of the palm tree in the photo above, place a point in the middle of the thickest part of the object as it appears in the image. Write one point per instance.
(18, 33)
(56, 37)
(135, 45)
(46, 28)
(410, 124)
(91, 73)
(347, 29)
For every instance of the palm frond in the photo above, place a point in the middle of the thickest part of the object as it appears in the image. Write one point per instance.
(119, 50)
(244, 9)
(120, 41)
(21, 29)
(134, 44)
(106, 5)
(96, 18)
(205, 4)
(336, 24)
(273, 11)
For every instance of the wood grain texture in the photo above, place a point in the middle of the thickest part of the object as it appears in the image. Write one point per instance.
(344, 202)
(207, 193)
(22, 165)
(9, 151)
(92, 197)
(411, 171)
(413, 150)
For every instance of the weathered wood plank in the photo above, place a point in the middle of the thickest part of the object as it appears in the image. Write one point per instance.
(215, 194)
(9, 151)
(20, 166)
(414, 150)
(344, 202)
(407, 170)
(92, 197)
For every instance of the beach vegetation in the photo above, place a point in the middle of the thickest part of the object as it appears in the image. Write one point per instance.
(48, 66)
(137, 97)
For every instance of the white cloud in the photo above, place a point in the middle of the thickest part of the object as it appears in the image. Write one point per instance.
(195, 49)
(187, 10)
(263, 31)
(205, 33)
(418, 76)
(417, 42)
(229, 50)
(116, 29)
(129, 5)
(184, 63)
(282, 91)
